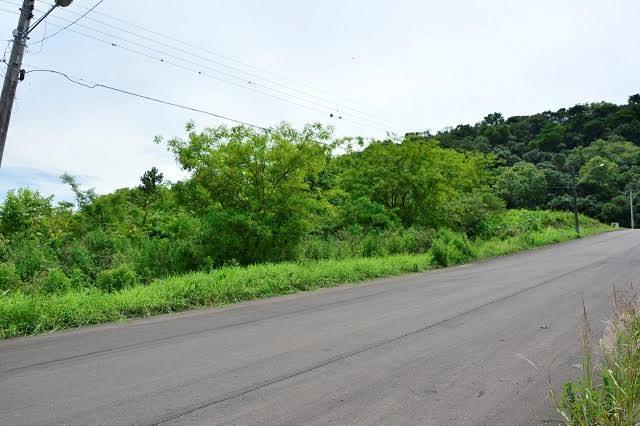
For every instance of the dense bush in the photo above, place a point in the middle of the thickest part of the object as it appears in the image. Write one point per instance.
(451, 248)
(355, 242)
(55, 281)
(22, 313)
(116, 279)
(9, 279)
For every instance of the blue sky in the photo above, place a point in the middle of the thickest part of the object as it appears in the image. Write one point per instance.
(419, 64)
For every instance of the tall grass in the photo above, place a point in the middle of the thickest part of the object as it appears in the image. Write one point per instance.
(23, 314)
(608, 394)
(32, 313)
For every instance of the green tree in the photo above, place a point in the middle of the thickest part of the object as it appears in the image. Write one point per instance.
(550, 138)
(151, 181)
(598, 176)
(522, 186)
(415, 178)
(24, 210)
(264, 178)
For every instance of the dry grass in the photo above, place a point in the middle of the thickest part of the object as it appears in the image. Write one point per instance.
(608, 394)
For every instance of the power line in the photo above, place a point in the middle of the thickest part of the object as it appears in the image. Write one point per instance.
(221, 64)
(91, 85)
(185, 68)
(338, 108)
(196, 47)
(252, 86)
(72, 23)
(255, 88)
(260, 88)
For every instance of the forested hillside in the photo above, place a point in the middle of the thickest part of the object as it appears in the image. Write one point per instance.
(536, 156)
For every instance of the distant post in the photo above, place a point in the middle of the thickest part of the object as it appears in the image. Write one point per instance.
(633, 223)
(575, 202)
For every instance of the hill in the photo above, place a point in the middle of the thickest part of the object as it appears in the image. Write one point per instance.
(538, 154)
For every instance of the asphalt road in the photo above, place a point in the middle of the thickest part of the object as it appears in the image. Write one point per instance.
(468, 345)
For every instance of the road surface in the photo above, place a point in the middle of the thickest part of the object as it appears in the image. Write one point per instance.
(469, 345)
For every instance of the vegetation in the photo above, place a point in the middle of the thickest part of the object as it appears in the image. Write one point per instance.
(609, 394)
(537, 155)
(299, 196)
(252, 197)
(24, 313)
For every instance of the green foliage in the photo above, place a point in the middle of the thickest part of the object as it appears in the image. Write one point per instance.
(550, 138)
(254, 197)
(261, 181)
(83, 198)
(598, 175)
(558, 144)
(366, 214)
(9, 278)
(451, 248)
(522, 186)
(55, 281)
(30, 258)
(23, 211)
(151, 181)
(358, 243)
(23, 313)
(415, 178)
(116, 279)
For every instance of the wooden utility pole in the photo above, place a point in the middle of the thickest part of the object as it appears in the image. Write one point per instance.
(575, 202)
(633, 221)
(14, 70)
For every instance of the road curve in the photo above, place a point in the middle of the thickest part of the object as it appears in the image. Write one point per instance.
(469, 345)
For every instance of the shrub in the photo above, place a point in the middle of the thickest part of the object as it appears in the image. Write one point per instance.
(30, 259)
(78, 257)
(9, 279)
(102, 247)
(5, 249)
(451, 248)
(55, 281)
(116, 279)
(79, 279)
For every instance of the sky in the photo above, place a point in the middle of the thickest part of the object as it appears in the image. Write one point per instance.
(385, 65)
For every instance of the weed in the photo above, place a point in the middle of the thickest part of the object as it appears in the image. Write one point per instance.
(608, 395)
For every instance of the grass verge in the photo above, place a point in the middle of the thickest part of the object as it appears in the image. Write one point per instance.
(608, 394)
(24, 314)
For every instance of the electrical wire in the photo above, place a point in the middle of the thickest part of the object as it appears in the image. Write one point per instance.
(339, 109)
(308, 105)
(192, 46)
(221, 64)
(251, 85)
(72, 23)
(180, 66)
(91, 85)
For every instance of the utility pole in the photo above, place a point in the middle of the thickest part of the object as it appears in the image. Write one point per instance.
(575, 202)
(14, 70)
(633, 223)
